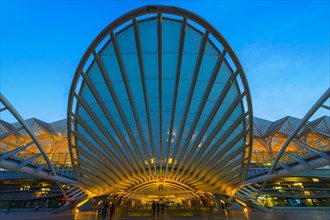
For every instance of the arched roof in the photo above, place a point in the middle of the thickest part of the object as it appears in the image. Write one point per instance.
(160, 98)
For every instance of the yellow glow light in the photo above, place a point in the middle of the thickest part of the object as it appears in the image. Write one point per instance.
(240, 202)
(79, 204)
(307, 193)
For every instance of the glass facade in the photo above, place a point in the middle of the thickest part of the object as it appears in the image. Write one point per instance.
(157, 100)
(159, 109)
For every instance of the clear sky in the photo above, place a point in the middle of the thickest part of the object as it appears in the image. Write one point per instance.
(282, 45)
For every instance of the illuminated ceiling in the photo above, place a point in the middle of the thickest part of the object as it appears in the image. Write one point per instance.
(160, 106)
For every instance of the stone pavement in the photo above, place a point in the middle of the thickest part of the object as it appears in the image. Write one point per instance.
(232, 215)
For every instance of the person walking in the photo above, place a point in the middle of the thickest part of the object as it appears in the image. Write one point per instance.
(105, 209)
(162, 207)
(227, 206)
(157, 207)
(11, 205)
(112, 209)
(100, 208)
(153, 206)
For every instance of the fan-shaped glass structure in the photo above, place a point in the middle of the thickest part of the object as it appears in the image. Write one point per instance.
(159, 105)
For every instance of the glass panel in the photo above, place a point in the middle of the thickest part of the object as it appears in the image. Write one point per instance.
(129, 136)
(126, 41)
(192, 41)
(148, 36)
(231, 137)
(83, 114)
(169, 66)
(110, 63)
(171, 35)
(206, 68)
(224, 73)
(188, 66)
(210, 49)
(132, 66)
(234, 157)
(120, 90)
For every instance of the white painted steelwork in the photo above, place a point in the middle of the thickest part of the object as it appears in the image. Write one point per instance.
(160, 103)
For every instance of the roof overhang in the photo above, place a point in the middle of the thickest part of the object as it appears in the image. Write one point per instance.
(160, 98)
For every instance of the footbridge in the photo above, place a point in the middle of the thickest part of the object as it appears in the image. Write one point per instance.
(160, 108)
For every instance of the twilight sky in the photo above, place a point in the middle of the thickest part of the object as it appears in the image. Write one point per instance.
(282, 45)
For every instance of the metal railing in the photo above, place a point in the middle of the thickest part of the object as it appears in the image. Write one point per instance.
(61, 162)
(261, 160)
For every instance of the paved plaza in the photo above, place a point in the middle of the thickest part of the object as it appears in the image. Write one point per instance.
(237, 215)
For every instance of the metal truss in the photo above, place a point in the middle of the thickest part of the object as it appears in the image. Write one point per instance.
(37, 164)
(310, 152)
(160, 98)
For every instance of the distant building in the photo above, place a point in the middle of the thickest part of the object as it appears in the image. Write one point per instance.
(160, 110)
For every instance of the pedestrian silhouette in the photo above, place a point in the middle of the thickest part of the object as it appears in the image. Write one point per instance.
(153, 206)
(162, 208)
(157, 206)
(105, 209)
(112, 209)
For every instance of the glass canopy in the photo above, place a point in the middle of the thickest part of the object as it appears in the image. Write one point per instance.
(159, 105)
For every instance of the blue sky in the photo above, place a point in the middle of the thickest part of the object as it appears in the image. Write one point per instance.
(282, 45)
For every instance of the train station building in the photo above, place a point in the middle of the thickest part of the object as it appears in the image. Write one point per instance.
(160, 110)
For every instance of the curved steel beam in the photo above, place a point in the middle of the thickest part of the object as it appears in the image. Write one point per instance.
(19, 118)
(83, 79)
(309, 114)
(302, 123)
(12, 165)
